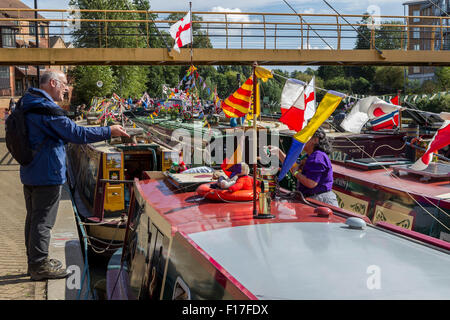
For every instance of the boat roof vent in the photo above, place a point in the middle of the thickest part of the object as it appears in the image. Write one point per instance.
(355, 223)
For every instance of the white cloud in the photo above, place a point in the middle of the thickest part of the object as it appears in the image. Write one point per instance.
(309, 11)
(230, 17)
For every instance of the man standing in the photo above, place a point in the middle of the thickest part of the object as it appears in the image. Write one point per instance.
(43, 178)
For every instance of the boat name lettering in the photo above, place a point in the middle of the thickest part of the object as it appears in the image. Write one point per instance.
(340, 182)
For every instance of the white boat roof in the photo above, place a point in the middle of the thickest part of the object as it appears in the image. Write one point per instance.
(327, 261)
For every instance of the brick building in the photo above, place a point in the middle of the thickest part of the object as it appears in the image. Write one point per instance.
(14, 80)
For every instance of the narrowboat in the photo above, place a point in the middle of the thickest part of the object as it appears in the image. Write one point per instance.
(180, 246)
(389, 191)
(100, 177)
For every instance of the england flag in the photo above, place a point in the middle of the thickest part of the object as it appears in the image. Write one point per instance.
(181, 31)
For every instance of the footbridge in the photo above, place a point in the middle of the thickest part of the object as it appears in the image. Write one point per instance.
(133, 37)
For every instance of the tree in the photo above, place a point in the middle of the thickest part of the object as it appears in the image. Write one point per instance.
(330, 72)
(386, 36)
(443, 78)
(361, 86)
(86, 78)
(129, 80)
(341, 84)
(388, 79)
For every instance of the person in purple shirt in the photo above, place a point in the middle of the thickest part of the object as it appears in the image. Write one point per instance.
(314, 174)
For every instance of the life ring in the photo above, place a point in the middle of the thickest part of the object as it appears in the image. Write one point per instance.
(206, 191)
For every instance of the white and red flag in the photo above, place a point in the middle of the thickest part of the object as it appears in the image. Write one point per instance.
(395, 100)
(296, 116)
(181, 31)
(439, 141)
(292, 90)
(373, 109)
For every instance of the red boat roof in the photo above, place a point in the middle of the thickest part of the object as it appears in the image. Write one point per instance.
(186, 213)
(405, 182)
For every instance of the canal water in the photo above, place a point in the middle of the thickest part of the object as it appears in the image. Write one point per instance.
(97, 271)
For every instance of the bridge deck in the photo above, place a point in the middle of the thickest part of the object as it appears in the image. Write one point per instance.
(160, 56)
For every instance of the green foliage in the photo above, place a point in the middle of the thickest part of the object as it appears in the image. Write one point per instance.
(361, 86)
(330, 72)
(86, 78)
(341, 84)
(443, 78)
(437, 105)
(388, 79)
(386, 37)
(131, 80)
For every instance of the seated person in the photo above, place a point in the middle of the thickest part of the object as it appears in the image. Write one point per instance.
(315, 177)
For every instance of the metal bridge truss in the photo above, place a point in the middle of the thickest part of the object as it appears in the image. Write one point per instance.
(236, 38)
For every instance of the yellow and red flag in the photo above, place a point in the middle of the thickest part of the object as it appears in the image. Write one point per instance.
(237, 105)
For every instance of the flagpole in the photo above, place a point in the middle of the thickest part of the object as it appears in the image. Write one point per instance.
(255, 135)
(192, 30)
(192, 53)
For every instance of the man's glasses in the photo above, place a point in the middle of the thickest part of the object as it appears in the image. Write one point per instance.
(63, 83)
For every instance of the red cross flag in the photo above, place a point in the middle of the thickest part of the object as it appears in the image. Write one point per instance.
(181, 31)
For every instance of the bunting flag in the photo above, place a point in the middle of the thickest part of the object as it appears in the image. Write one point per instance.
(368, 109)
(310, 99)
(439, 141)
(292, 89)
(303, 109)
(263, 74)
(395, 100)
(181, 32)
(295, 115)
(238, 104)
(326, 107)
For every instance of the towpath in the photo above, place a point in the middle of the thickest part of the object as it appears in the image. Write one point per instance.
(14, 283)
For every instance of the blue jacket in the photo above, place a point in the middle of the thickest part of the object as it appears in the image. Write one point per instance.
(49, 164)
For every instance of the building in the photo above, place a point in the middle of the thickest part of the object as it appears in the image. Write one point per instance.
(426, 38)
(14, 80)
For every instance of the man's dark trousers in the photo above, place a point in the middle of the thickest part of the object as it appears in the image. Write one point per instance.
(42, 206)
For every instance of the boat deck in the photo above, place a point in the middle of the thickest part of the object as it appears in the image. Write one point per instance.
(404, 182)
(298, 255)
(186, 212)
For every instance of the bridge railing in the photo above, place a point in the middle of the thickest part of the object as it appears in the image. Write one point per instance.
(231, 30)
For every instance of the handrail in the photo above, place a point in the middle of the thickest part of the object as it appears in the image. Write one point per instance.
(243, 30)
(218, 13)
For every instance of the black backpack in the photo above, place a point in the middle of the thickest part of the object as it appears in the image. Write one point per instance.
(16, 136)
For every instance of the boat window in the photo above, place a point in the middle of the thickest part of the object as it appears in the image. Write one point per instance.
(181, 291)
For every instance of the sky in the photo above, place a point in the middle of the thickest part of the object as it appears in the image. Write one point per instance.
(382, 7)
(387, 7)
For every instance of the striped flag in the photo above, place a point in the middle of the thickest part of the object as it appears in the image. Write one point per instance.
(237, 105)
(388, 121)
(439, 141)
(326, 107)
